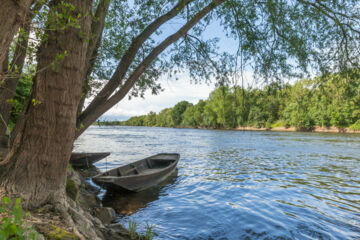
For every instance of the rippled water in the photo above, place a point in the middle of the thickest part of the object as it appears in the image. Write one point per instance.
(239, 185)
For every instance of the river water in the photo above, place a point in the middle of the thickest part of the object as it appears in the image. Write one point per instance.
(238, 185)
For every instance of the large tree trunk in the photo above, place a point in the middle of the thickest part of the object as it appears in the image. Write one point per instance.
(12, 14)
(35, 168)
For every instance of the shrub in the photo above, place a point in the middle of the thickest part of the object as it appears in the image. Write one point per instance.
(355, 126)
(12, 223)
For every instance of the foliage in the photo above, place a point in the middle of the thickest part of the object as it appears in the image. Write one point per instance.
(149, 234)
(12, 224)
(273, 38)
(177, 112)
(323, 101)
(22, 94)
(72, 189)
(355, 126)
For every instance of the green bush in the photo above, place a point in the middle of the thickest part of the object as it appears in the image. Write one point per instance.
(355, 126)
(12, 223)
(277, 124)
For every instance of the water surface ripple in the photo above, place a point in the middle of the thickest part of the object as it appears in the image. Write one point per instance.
(239, 185)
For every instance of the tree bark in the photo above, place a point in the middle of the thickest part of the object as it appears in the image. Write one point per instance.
(88, 117)
(12, 14)
(97, 27)
(8, 88)
(35, 169)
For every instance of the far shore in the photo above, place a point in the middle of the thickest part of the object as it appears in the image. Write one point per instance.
(316, 129)
(293, 129)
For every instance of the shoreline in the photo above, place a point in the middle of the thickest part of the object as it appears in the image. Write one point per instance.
(316, 129)
(293, 129)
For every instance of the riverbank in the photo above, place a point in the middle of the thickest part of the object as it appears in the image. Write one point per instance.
(87, 219)
(293, 129)
(317, 129)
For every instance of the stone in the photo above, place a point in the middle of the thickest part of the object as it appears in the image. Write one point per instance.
(105, 214)
(56, 233)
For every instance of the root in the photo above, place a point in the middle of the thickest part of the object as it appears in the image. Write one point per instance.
(63, 209)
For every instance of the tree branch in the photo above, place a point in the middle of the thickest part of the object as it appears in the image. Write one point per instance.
(88, 118)
(130, 54)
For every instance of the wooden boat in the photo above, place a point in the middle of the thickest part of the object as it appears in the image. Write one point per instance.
(128, 203)
(139, 175)
(81, 160)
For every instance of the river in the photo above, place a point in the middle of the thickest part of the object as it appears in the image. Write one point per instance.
(238, 185)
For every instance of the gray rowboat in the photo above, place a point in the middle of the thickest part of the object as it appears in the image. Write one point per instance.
(85, 160)
(139, 175)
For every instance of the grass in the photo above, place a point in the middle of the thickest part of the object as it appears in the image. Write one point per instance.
(132, 229)
(147, 235)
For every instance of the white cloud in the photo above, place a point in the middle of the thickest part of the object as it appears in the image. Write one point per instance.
(174, 92)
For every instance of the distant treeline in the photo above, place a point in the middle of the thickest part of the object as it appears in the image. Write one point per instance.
(332, 100)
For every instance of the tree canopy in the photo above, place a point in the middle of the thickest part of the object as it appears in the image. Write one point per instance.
(331, 100)
(132, 45)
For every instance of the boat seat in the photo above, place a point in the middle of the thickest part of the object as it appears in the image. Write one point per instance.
(148, 162)
(124, 173)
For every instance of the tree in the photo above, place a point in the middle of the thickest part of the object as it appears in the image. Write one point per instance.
(188, 117)
(270, 32)
(12, 71)
(163, 119)
(150, 119)
(12, 14)
(199, 113)
(35, 168)
(178, 111)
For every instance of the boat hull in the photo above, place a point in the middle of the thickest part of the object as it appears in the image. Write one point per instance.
(85, 160)
(136, 182)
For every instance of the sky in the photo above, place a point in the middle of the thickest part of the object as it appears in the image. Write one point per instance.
(177, 90)
(174, 92)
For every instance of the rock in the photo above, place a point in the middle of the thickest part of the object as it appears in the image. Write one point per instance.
(117, 231)
(53, 232)
(105, 214)
(84, 222)
(89, 200)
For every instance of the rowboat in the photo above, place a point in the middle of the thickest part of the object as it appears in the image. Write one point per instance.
(81, 160)
(139, 175)
(128, 203)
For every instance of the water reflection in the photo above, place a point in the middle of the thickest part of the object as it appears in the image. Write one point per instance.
(127, 203)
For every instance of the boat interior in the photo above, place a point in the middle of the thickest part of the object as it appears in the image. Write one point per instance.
(145, 166)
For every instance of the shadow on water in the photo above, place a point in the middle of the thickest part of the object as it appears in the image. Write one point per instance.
(127, 203)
